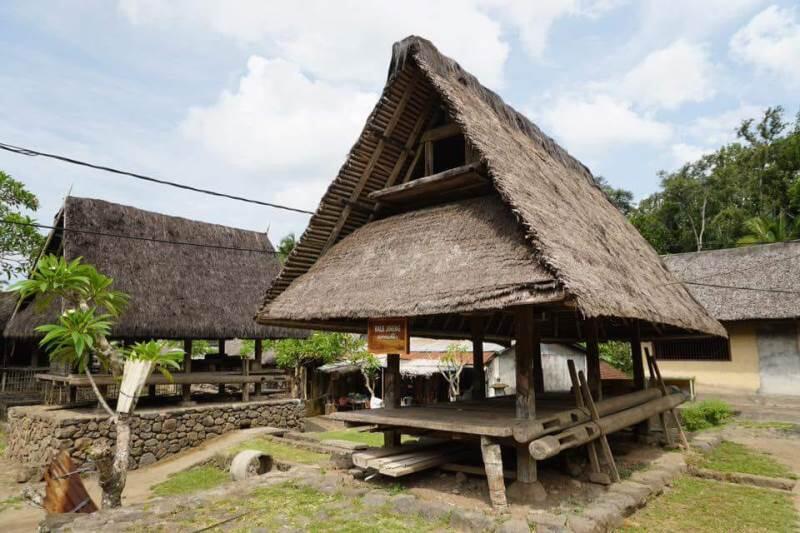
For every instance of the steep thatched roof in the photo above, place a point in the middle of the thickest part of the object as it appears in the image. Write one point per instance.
(8, 300)
(176, 291)
(587, 253)
(749, 283)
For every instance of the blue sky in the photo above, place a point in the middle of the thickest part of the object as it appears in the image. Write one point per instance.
(264, 99)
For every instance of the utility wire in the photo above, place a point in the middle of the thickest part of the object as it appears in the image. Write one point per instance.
(737, 287)
(33, 153)
(134, 238)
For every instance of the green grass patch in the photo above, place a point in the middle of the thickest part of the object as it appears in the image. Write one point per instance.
(709, 506)
(3, 441)
(282, 452)
(12, 502)
(295, 507)
(191, 480)
(364, 437)
(706, 414)
(735, 457)
(778, 426)
(626, 470)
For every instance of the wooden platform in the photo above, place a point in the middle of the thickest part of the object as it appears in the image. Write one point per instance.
(490, 418)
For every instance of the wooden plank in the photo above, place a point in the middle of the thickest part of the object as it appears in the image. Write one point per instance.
(362, 458)
(441, 132)
(493, 466)
(464, 177)
(446, 421)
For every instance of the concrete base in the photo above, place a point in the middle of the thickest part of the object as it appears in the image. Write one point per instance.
(519, 492)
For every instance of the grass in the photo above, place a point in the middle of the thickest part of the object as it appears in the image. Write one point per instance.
(3, 441)
(294, 507)
(627, 469)
(709, 506)
(192, 480)
(779, 426)
(281, 452)
(706, 414)
(734, 457)
(12, 502)
(364, 437)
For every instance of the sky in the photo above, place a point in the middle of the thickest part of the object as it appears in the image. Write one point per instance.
(264, 99)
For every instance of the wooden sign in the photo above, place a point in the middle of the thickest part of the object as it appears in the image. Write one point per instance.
(387, 335)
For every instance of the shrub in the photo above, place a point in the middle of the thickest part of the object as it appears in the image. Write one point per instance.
(706, 414)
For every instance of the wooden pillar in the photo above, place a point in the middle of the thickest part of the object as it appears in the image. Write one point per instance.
(493, 464)
(593, 359)
(258, 355)
(638, 361)
(151, 391)
(477, 324)
(524, 328)
(245, 372)
(72, 394)
(186, 388)
(221, 386)
(391, 394)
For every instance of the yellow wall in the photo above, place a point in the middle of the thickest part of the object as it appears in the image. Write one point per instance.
(740, 373)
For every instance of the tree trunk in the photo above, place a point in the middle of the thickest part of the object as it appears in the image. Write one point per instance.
(113, 472)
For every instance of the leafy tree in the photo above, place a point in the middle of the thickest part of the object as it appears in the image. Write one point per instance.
(286, 246)
(319, 348)
(19, 245)
(369, 366)
(91, 307)
(621, 198)
(451, 365)
(618, 355)
(765, 231)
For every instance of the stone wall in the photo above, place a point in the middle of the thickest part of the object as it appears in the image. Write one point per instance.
(35, 433)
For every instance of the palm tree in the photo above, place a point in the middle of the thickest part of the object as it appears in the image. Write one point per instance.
(286, 246)
(764, 230)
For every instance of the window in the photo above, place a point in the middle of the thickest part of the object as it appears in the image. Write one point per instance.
(693, 350)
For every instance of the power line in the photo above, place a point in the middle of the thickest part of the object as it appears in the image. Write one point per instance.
(134, 238)
(34, 153)
(737, 287)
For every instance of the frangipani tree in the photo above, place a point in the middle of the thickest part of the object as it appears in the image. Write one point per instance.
(370, 367)
(90, 308)
(451, 365)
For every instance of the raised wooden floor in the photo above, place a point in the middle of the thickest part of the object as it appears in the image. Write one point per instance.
(494, 417)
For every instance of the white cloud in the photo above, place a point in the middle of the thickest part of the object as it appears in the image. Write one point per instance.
(685, 153)
(599, 121)
(671, 76)
(279, 120)
(346, 40)
(771, 42)
(716, 130)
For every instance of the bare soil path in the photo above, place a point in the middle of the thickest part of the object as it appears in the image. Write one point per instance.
(24, 518)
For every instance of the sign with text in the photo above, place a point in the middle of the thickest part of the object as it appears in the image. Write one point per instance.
(387, 335)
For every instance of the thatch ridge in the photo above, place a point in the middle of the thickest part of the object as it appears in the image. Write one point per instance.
(773, 270)
(592, 251)
(176, 291)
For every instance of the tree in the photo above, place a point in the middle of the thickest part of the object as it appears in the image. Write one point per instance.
(618, 355)
(764, 230)
(90, 309)
(369, 366)
(19, 244)
(320, 348)
(621, 198)
(451, 365)
(286, 246)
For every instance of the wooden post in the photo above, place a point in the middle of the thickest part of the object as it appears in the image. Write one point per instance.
(258, 355)
(221, 350)
(245, 372)
(391, 394)
(654, 369)
(593, 359)
(186, 389)
(493, 464)
(638, 372)
(596, 475)
(477, 323)
(523, 350)
(612, 465)
(151, 391)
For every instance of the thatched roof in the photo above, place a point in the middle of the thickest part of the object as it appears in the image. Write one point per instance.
(748, 283)
(8, 300)
(176, 291)
(566, 240)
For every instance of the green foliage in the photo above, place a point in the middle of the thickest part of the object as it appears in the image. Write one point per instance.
(621, 198)
(19, 245)
(160, 353)
(72, 339)
(706, 414)
(749, 190)
(286, 246)
(367, 362)
(618, 355)
(281, 452)
(735, 457)
(190, 481)
(320, 347)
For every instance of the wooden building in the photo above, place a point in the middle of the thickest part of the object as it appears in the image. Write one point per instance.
(457, 213)
(186, 291)
(755, 292)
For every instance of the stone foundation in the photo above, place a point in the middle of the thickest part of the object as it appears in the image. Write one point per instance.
(35, 433)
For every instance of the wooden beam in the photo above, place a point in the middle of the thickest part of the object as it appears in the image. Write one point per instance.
(221, 344)
(638, 371)
(441, 132)
(186, 389)
(391, 382)
(463, 178)
(524, 325)
(428, 157)
(593, 359)
(376, 154)
(259, 351)
(477, 324)
(493, 464)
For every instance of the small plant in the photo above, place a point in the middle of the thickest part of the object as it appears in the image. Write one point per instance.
(450, 367)
(706, 414)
